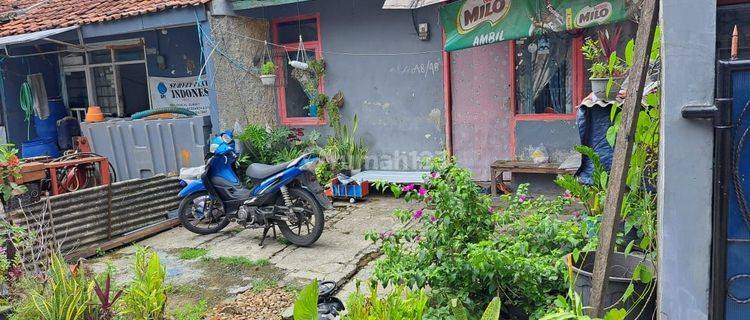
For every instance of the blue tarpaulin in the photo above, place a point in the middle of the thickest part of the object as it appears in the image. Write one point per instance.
(593, 122)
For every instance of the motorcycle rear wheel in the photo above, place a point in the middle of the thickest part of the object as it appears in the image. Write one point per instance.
(192, 220)
(308, 224)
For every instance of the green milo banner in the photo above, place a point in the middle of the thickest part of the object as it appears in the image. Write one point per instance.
(471, 23)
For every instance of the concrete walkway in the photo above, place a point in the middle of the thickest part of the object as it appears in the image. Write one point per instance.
(340, 254)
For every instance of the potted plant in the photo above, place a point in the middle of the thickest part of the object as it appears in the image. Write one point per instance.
(607, 72)
(631, 282)
(268, 73)
(318, 100)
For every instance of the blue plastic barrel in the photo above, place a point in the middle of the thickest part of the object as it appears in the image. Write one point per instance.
(40, 147)
(47, 128)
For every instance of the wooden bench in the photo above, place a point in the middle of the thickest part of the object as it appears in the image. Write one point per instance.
(499, 167)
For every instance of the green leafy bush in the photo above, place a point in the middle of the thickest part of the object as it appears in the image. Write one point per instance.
(516, 255)
(146, 296)
(343, 149)
(491, 313)
(400, 304)
(264, 146)
(274, 145)
(64, 296)
(466, 250)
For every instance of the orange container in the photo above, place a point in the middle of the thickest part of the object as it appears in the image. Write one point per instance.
(94, 114)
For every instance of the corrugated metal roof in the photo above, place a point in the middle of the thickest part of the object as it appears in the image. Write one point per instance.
(409, 4)
(33, 36)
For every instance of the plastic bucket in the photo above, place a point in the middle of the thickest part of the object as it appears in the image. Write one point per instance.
(47, 128)
(40, 147)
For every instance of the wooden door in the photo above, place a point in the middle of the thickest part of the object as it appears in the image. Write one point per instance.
(481, 112)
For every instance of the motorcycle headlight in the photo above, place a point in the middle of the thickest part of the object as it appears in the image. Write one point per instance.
(311, 165)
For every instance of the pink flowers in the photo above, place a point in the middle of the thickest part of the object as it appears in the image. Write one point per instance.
(491, 210)
(422, 191)
(408, 187)
(417, 214)
(521, 198)
(567, 194)
(435, 175)
(433, 219)
(577, 214)
(418, 238)
(384, 235)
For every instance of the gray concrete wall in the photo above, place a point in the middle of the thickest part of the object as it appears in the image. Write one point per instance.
(559, 137)
(684, 204)
(397, 97)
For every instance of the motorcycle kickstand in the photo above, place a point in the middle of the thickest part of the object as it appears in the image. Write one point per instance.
(265, 232)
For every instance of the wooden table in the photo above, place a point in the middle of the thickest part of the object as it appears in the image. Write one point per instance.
(499, 167)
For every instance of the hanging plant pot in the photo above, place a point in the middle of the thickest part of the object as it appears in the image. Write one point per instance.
(268, 79)
(299, 64)
(599, 88)
(312, 110)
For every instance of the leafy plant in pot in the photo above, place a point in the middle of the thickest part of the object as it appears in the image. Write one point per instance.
(268, 73)
(607, 72)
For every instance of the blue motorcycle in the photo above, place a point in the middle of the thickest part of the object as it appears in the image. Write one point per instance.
(284, 195)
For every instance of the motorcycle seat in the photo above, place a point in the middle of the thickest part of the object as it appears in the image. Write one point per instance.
(262, 171)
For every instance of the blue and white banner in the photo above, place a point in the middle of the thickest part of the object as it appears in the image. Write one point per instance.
(186, 92)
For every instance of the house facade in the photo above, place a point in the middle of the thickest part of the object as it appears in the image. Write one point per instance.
(110, 55)
(499, 101)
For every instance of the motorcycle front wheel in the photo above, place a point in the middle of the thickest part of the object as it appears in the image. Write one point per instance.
(201, 214)
(306, 224)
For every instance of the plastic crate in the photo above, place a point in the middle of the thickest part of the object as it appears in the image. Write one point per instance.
(352, 190)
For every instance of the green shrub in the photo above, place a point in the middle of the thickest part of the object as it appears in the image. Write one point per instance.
(466, 250)
(64, 296)
(274, 145)
(146, 296)
(264, 145)
(400, 304)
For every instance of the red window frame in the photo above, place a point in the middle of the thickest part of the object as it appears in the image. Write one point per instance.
(578, 80)
(280, 60)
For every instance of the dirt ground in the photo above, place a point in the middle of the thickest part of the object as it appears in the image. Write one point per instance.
(231, 265)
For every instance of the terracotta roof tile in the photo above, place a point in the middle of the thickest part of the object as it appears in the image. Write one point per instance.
(24, 16)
